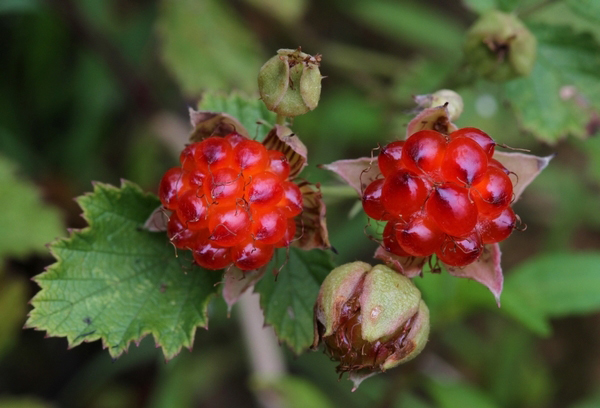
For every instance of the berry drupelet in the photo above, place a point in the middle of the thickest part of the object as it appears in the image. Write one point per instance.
(441, 194)
(231, 202)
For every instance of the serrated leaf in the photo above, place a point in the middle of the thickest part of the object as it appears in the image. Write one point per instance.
(553, 286)
(206, 45)
(27, 223)
(555, 99)
(248, 110)
(117, 282)
(288, 302)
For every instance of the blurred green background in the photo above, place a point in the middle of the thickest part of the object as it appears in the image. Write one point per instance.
(99, 90)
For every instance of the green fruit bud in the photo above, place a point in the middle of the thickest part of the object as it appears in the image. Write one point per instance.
(290, 82)
(444, 97)
(500, 47)
(370, 319)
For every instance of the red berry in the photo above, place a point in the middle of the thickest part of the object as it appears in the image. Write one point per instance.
(269, 226)
(371, 200)
(292, 201)
(493, 193)
(170, 188)
(265, 190)
(403, 194)
(480, 137)
(498, 228)
(214, 153)
(390, 243)
(187, 158)
(460, 251)
(224, 185)
(211, 256)
(228, 224)
(420, 236)
(496, 163)
(278, 164)
(251, 157)
(423, 152)
(179, 234)
(452, 209)
(465, 162)
(193, 209)
(251, 254)
(194, 178)
(389, 159)
(289, 235)
(234, 139)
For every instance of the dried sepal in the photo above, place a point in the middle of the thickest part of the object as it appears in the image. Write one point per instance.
(281, 138)
(311, 227)
(485, 270)
(208, 124)
(436, 118)
(236, 282)
(158, 220)
(526, 167)
(358, 173)
(409, 266)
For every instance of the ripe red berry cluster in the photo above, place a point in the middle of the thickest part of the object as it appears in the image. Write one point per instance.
(232, 202)
(441, 194)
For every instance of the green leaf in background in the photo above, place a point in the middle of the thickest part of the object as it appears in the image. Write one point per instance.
(592, 402)
(552, 286)
(286, 11)
(13, 310)
(19, 6)
(249, 111)
(294, 392)
(206, 46)
(116, 282)
(455, 394)
(23, 402)
(288, 302)
(28, 224)
(589, 9)
(417, 25)
(555, 99)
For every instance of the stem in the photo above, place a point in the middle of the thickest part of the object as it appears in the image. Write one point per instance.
(339, 191)
(535, 8)
(280, 119)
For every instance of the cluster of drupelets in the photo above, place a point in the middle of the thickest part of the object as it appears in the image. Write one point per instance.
(441, 194)
(231, 202)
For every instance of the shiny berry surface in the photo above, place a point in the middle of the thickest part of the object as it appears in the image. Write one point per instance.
(389, 160)
(498, 228)
(371, 200)
(452, 209)
(424, 151)
(231, 202)
(478, 136)
(494, 193)
(420, 236)
(456, 251)
(413, 190)
(441, 194)
(465, 162)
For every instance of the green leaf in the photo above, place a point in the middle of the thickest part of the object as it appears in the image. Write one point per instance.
(288, 302)
(207, 46)
(451, 395)
(409, 22)
(553, 286)
(287, 11)
(27, 223)
(13, 309)
(19, 6)
(249, 111)
(116, 282)
(589, 9)
(555, 99)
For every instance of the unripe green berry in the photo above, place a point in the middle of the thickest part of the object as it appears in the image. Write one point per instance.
(444, 97)
(290, 82)
(370, 318)
(500, 47)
